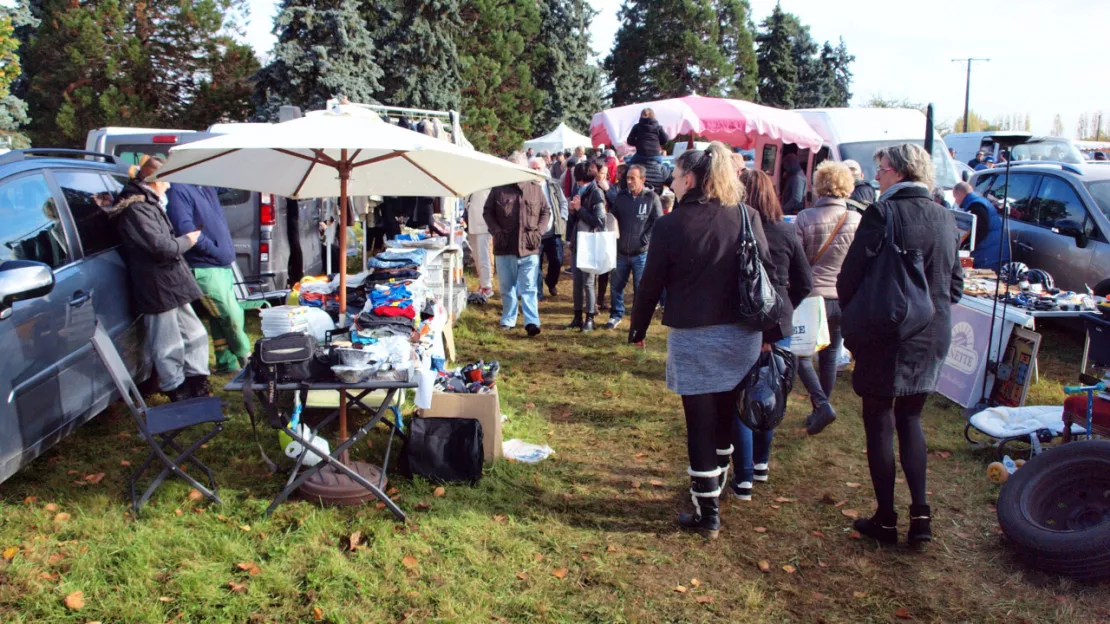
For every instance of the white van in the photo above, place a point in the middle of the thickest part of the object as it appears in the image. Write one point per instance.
(967, 144)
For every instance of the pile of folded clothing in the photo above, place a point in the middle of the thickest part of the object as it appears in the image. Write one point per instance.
(320, 293)
(395, 265)
(396, 296)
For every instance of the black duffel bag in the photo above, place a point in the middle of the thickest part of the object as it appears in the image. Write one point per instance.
(445, 449)
(290, 358)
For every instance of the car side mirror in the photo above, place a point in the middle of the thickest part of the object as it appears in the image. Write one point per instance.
(20, 280)
(1071, 228)
(966, 175)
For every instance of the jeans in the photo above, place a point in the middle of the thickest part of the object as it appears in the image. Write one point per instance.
(479, 246)
(517, 276)
(626, 265)
(552, 251)
(585, 292)
(179, 346)
(820, 382)
(749, 447)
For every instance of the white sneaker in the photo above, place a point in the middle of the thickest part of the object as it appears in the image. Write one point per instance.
(741, 491)
(760, 472)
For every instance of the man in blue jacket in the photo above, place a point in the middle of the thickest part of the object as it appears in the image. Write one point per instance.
(198, 208)
(989, 239)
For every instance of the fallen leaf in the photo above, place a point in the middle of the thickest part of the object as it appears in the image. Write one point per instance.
(440, 492)
(71, 472)
(704, 599)
(423, 506)
(10, 552)
(636, 485)
(46, 576)
(855, 535)
(789, 569)
(522, 576)
(500, 519)
(822, 564)
(538, 557)
(656, 483)
(560, 573)
(195, 495)
(199, 510)
(95, 478)
(246, 528)
(783, 499)
(54, 558)
(680, 589)
(899, 480)
(245, 565)
(943, 455)
(393, 491)
(61, 517)
(565, 415)
(610, 548)
(776, 506)
(223, 519)
(124, 463)
(903, 613)
(639, 455)
(408, 561)
(585, 558)
(177, 512)
(853, 484)
(818, 596)
(165, 599)
(760, 529)
(764, 566)
(851, 513)
(355, 539)
(695, 583)
(859, 595)
(963, 535)
(529, 405)
(30, 499)
(379, 505)
(75, 601)
(317, 613)
(79, 482)
(51, 507)
(818, 534)
(238, 588)
(841, 504)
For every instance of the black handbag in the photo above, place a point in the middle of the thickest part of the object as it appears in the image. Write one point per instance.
(759, 302)
(893, 303)
(290, 358)
(761, 401)
(445, 449)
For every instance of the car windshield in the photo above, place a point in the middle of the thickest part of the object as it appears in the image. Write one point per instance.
(1101, 192)
(1055, 150)
(864, 152)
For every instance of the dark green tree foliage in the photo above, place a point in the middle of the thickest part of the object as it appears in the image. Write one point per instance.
(13, 110)
(629, 56)
(499, 96)
(94, 63)
(778, 73)
(225, 96)
(571, 86)
(837, 65)
(417, 51)
(738, 46)
(324, 50)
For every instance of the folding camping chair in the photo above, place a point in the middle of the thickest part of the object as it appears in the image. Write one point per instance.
(161, 424)
(257, 291)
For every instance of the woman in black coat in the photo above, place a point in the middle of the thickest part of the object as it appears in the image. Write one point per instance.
(894, 379)
(792, 280)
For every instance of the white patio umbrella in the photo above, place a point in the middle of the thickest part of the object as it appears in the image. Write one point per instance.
(559, 139)
(340, 152)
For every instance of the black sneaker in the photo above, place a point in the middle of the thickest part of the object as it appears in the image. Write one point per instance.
(761, 472)
(180, 393)
(588, 326)
(614, 322)
(741, 491)
(197, 386)
(532, 329)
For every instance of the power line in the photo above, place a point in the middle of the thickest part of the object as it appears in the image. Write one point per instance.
(967, 89)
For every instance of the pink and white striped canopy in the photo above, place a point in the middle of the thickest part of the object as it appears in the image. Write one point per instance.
(735, 122)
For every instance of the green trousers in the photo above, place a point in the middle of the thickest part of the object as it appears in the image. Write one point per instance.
(225, 316)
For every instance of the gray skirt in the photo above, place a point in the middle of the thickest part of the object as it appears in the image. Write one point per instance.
(706, 360)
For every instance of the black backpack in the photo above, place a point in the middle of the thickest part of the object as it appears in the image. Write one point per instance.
(445, 449)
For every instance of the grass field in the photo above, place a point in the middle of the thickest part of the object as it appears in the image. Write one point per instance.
(586, 536)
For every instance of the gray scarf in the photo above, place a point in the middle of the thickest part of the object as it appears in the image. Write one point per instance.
(894, 188)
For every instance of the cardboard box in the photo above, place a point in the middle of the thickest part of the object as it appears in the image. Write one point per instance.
(485, 408)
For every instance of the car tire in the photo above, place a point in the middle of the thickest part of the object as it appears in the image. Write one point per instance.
(1102, 289)
(1056, 510)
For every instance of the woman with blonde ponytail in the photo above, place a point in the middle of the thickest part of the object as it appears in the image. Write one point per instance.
(693, 255)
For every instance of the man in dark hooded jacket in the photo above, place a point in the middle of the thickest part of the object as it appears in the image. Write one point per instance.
(647, 137)
(162, 286)
(793, 185)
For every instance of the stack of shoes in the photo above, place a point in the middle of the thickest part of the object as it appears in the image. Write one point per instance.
(476, 378)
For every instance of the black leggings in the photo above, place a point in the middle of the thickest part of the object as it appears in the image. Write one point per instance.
(881, 416)
(709, 423)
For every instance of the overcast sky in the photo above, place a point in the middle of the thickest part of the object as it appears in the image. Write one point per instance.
(1046, 57)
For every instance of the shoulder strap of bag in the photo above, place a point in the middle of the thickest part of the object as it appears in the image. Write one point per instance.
(831, 238)
(248, 403)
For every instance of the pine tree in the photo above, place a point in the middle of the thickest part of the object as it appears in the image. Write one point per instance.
(837, 66)
(324, 50)
(738, 46)
(571, 85)
(499, 95)
(778, 73)
(13, 110)
(417, 51)
(629, 55)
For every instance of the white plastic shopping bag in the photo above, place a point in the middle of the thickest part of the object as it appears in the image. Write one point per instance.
(811, 327)
(596, 252)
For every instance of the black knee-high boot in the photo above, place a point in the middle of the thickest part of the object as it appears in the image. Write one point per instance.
(724, 455)
(705, 492)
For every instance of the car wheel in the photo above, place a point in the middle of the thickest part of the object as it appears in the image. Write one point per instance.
(1102, 289)
(1056, 510)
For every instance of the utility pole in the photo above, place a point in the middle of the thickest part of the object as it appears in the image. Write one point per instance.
(967, 89)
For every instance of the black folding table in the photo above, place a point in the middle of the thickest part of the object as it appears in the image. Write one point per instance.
(353, 395)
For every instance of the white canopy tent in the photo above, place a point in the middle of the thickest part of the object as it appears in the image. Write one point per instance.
(559, 139)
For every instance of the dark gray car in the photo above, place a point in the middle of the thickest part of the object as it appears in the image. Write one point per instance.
(60, 273)
(1058, 219)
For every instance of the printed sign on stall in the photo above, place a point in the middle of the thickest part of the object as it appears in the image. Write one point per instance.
(961, 377)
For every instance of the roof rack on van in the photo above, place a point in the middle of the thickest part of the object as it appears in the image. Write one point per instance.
(54, 152)
(1069, 167)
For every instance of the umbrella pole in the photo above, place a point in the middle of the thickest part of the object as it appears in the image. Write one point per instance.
(344, 175)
